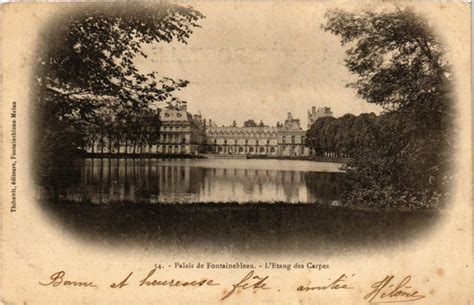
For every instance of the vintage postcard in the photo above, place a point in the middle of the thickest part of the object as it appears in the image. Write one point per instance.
(236, 153)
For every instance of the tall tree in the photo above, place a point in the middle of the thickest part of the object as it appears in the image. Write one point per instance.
(87, 78)
(93, 51)
(401, 66)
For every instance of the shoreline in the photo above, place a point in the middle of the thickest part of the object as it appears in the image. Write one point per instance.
(210, 156)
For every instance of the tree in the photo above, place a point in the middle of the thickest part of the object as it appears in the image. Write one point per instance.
(87, 81)
(401, 66)
(93, 51)
(341, 137)
(261, 124)
(250, 123)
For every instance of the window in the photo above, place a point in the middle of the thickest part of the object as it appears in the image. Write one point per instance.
(292, 139)
(284, 139)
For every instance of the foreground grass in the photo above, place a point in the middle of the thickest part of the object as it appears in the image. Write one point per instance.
(238, 227)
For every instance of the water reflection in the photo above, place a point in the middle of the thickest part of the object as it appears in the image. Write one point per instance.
(104, 181)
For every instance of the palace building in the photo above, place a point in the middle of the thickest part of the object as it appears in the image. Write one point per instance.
(242, 140)
(180, 132)
(288, 140)
(184, 133)
(292, 138)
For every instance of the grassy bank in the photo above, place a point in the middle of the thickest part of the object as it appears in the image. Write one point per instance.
(238, 227)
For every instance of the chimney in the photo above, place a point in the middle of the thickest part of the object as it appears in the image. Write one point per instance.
(313, 109)
(184, 106)
(210, 122)
(289, 116)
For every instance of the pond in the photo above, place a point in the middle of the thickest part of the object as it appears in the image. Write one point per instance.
(108, 181)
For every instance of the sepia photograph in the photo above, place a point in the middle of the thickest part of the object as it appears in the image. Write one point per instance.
(236, 152)
(168, 124)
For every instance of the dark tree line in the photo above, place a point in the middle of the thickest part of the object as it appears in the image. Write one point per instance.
(402, 157)
(341, 137)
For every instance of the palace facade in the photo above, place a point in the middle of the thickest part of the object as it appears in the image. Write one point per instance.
(242, 140)
(288, 140)
(184, 133)
(180, 132)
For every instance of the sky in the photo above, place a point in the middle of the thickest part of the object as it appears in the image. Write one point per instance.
(259, 61)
